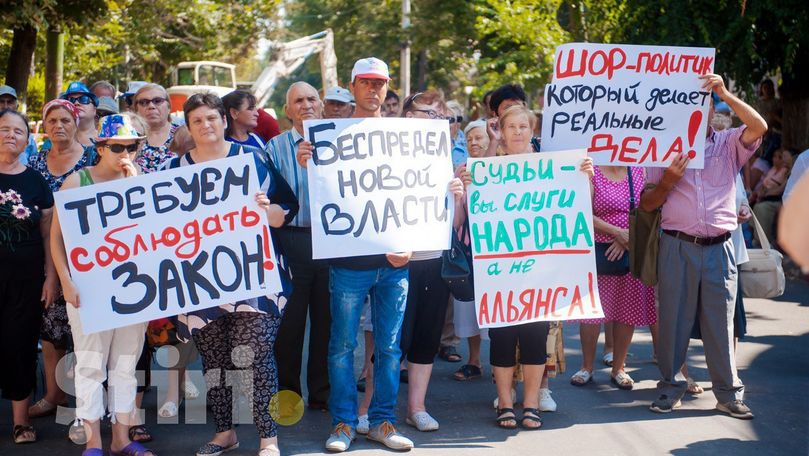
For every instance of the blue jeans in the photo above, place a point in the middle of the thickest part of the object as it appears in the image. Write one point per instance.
(388, 289)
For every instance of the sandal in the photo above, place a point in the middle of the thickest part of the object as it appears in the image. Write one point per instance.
(622, 381)
(212, 449)
(503, 421)
(693, 387)
(581, 378)
(133, 449)
(270, 450)
(449, 354)
(467, 372)
(533, 417)
(168, 410)
(24, 433)
(93, 452)
(43, 408)
(607, 358)
(139, 434)
(190, 389)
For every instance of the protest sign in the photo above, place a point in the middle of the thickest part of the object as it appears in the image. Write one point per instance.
(628, 105)
(379, 185)
(167, 243)
(531, 229)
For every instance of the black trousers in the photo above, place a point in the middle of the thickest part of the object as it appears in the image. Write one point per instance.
(427, 300)
(310, 296)
(20, 321)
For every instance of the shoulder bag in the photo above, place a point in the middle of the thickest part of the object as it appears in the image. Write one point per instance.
(763, 275)
(644, 243)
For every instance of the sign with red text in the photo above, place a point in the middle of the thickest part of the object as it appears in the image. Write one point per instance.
(379, 185)
(627, 104)
(531, 230)
(167, 243)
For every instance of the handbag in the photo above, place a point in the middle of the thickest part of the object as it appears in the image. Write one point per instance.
(456, 267)
(620, 266)
(763, 275)
(644, 243)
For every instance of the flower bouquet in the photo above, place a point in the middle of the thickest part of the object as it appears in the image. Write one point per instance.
(15, 217)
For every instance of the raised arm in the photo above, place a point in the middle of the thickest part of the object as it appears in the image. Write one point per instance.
(756, 126)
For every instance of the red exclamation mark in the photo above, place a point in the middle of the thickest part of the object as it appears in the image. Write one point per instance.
(693, 126)
(268, 264)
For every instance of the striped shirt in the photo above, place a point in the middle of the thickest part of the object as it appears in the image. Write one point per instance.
(282, 150)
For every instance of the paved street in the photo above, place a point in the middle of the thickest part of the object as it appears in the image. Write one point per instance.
(595, 420)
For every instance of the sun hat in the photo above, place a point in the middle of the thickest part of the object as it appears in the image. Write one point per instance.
(118, 126)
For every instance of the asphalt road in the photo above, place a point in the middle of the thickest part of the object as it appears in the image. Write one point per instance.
(597, 419)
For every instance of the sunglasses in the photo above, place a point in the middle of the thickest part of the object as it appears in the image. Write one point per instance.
(83, 99)
(453, 120)
(118, 148)
(144, 102)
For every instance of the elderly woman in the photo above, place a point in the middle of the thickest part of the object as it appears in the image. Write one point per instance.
(252, 323)
(516, 126)
(26, 205)
(627, 302)
(427, 296)
(242, 118)
(151, 102)
(118, 144)
(63, 158)
(464, 319)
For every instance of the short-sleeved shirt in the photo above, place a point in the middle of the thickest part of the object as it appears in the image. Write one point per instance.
(22, 253)
(39, 162)
(253, 140)
(278, 191)
(703, 202)
(151, 157)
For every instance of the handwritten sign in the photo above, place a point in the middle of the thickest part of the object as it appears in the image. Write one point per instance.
(167, 243)
(628, 105)
(379, 185)
(531, 225)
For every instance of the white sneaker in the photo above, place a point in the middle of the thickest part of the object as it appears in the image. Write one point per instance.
(340, 438)
(513, 399)
(363, 426)
(546, 402)
(387, 435)
(422, 421)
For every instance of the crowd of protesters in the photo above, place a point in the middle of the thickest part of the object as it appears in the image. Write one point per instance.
(398, 300)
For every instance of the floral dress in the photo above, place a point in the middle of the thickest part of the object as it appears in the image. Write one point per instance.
(55, 326)
(151, 157)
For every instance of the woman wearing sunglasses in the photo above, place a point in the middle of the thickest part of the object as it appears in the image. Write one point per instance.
(107, 355)
(85, 102)
(152, 103)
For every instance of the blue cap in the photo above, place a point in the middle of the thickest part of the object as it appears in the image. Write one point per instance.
(78, 87)
(8, 90)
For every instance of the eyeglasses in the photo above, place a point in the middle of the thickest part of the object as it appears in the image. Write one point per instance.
(430, 113)
(118, 148)
(453, 120)
(83, 99)
(144, 102)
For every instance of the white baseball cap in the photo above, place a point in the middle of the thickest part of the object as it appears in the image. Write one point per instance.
(370, 68)
(338, 94)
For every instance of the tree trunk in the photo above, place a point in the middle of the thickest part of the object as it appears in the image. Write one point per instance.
(54, 62)
(795, 103)
(18, 68)
(421, 77)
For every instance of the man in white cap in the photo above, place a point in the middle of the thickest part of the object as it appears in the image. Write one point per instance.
(337, 103)
(386, 277)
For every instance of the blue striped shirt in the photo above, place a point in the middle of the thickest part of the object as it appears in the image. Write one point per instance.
(282, 150)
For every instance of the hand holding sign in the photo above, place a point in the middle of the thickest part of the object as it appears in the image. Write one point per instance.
(714, 82)
(304, 153)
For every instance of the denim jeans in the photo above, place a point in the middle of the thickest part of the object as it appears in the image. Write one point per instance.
(388, 290)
